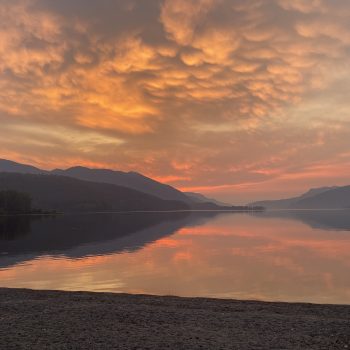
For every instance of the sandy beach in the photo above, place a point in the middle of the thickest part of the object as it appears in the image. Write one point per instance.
(81, 320)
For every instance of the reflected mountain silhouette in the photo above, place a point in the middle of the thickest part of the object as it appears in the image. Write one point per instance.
(337, 220)
(13, 227)
(76, 236)
(23, 238)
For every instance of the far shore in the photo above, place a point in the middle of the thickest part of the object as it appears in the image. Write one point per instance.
(133, 212)
(84, 320)
(33, 213)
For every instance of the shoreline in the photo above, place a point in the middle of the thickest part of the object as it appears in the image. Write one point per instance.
(86, 320)
(138, 212)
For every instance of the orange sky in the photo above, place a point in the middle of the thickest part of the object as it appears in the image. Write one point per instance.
(238, 99)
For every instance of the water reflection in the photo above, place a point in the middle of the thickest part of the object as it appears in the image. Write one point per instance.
(28, 237)
(270, 256)
(13, 227)
(322, 219)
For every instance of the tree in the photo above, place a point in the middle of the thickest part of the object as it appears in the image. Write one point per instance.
(13, 202)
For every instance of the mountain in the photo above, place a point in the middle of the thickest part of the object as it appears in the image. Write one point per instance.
(337, 198)
(317, 198)
(13, 167)
(131, 179)
(315, 191)
(52, 192)
(127, 179)
(199, 198)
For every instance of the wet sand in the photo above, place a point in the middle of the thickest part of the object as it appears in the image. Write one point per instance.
(70, 320)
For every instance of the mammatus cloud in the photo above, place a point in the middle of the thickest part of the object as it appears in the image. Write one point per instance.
(235, 98)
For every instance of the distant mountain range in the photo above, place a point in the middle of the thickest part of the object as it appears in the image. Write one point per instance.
(199, 198)
(13, 167)
(131, 179)
(80, 188)
(128, 190)
(66, 194)
(317, 198)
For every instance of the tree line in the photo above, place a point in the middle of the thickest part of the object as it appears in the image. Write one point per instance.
(13, 202)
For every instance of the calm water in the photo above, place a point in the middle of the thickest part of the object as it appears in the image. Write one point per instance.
(280, 256)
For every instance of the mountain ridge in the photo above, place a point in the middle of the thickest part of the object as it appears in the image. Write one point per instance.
(333, 197)
(11, 166)
(127, 179)
(131, 180)
(62, 193)
(200, 198)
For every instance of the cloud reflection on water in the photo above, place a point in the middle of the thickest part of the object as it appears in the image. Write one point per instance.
(238, 256)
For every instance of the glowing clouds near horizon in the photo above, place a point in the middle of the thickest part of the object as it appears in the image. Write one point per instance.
(228, 96)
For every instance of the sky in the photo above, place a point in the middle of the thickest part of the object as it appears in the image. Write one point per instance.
(239, 100)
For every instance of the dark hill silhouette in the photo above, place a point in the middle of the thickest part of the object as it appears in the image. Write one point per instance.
(337, 198)
(53, 192)
(13, 167)
(126, 179)
(318, 198)
(289, 202)
(130, 179)
(200, 198)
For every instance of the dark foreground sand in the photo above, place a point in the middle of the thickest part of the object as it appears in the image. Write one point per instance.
(60, 320)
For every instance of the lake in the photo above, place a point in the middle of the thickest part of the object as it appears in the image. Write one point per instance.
(296, 256)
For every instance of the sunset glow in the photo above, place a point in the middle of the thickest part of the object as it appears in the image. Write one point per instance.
(239, 100)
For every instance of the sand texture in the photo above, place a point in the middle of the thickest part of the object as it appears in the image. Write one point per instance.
(66, 320)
